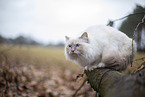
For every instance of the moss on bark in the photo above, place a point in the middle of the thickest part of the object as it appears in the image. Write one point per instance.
(116, 84)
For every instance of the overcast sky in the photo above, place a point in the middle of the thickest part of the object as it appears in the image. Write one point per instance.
(50, 20)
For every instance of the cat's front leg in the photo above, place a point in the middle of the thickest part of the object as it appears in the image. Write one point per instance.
(90, 68)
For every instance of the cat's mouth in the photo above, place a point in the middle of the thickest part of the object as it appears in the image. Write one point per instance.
(74, 54)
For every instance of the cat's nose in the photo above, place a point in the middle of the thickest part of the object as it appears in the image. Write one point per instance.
(72, 51)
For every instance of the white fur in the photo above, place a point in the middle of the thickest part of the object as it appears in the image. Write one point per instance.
(106, 46)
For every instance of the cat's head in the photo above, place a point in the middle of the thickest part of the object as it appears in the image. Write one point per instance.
(76, 46)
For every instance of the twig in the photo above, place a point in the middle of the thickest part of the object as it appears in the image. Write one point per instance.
(140, 59)
(80, 87)
(112, 22)
(142, 22)
(129, 15)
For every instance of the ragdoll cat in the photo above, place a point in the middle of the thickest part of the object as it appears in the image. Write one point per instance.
(101, 46)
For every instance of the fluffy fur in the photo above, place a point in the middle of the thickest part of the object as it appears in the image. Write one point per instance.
(101, 46)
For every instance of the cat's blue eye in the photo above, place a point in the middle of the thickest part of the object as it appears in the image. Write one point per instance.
(77, 45)
(69, 45)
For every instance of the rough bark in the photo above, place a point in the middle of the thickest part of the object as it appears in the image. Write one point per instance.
(116, 84)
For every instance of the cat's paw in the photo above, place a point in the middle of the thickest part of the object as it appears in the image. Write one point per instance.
(86, 67)
(92, 68)
(101, 65)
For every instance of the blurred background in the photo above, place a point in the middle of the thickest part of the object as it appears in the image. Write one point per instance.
(32, 61)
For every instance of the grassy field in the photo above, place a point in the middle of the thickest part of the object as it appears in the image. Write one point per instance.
(39, 56)
(51, 75)
(48, 56)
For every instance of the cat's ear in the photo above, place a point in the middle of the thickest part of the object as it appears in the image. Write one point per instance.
(66, 38)
(84, 36)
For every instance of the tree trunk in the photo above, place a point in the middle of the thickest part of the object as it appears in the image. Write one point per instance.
(112, 83)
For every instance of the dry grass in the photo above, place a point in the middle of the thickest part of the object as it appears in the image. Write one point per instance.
(135, 64)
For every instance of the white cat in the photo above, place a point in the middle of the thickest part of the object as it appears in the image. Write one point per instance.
(101, 46)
